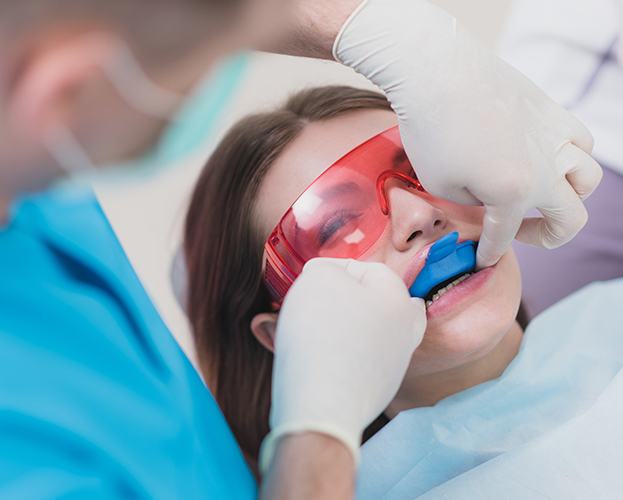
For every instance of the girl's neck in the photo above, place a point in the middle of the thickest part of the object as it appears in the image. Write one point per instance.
(426, 390)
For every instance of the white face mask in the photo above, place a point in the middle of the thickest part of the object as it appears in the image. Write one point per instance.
(139, 92)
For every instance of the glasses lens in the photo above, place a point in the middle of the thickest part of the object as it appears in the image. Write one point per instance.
(340, 214)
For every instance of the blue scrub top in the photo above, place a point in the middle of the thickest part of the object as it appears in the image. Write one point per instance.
(97, 400)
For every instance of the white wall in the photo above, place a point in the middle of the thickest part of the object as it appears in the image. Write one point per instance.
(147, 216)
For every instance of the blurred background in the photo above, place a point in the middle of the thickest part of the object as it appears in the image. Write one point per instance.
(148, 216)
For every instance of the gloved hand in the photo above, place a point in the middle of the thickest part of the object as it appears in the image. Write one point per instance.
(345, 337)
(476, 130)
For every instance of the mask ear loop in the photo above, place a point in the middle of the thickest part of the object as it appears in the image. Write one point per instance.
(380, 187)
(137, 89)
(68, 153)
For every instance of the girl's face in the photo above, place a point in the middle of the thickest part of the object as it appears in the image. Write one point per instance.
(466, 322)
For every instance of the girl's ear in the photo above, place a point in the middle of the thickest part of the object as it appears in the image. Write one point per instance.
(264, 328)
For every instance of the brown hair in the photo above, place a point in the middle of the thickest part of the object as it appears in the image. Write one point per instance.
(223, 253)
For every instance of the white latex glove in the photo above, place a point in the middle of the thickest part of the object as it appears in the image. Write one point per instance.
(345, 337)
(476, 130)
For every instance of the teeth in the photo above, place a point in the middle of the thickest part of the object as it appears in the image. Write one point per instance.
(447, 288)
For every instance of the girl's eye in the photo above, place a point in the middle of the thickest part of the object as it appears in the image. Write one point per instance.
(334, 224)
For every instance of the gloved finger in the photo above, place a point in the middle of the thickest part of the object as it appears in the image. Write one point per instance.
(354, 268)
(573, 129)
(500, 225)
(582, 172)
(378, 276)
(418, 309)
(322, 262)
(462, 196)
(562, 218)
(374, 274)
(581, 136)
(326, 270)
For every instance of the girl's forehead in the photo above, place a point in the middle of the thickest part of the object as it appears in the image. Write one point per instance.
(318, 146)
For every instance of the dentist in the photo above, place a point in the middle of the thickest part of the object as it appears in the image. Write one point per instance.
(96, 399)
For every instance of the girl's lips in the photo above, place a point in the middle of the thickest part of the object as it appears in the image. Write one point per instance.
(461, 294)
(417, 264)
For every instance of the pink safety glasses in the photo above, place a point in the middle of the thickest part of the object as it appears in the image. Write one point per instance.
(341, 214)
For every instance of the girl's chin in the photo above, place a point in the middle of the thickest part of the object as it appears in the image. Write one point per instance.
(470, 319)
(460, 341)
(466, 333)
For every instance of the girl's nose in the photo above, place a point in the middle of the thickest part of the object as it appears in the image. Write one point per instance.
(415, 221)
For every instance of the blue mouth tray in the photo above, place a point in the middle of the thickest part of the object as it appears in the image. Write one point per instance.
(446, 259)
